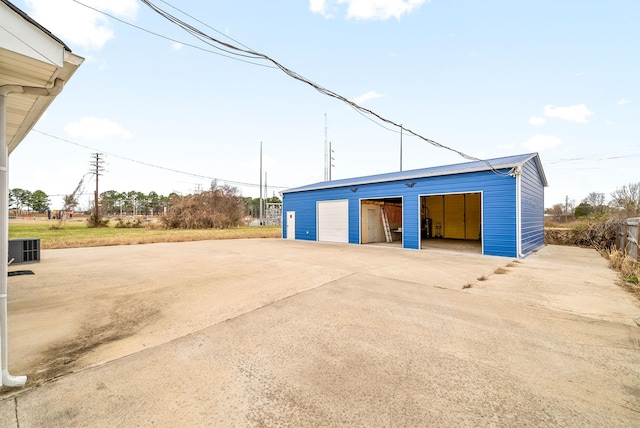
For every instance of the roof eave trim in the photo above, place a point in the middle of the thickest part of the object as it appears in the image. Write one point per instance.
(543, 177)
(328, 184)
(36, 24)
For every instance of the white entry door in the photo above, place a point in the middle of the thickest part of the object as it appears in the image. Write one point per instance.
(291, 225)
(333, 221)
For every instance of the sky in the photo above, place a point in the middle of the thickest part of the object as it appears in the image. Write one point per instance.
(489, 78)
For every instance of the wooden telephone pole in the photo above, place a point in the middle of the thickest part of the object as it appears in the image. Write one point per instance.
(97, 165)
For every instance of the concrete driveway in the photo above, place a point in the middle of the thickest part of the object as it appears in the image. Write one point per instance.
(286, 333)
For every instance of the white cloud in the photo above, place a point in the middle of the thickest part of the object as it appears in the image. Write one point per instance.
(505, 146)
(540, 142)
(176, 46)
(366, 9)
(93, 128)
(535, 120)
(578, 113)
(361, 99)
(623, 101)
(78, 25)
(318, 6)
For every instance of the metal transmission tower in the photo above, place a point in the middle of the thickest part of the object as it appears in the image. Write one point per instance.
(97, 168)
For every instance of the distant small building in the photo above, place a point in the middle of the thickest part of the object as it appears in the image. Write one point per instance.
(498, 203)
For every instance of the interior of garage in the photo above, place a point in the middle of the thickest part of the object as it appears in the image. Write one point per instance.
(381, 221)
(452, 222)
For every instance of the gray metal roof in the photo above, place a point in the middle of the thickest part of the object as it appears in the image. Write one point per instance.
(459, 168)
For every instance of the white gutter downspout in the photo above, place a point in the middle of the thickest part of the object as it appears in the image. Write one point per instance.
(8, 379)
(517, 173)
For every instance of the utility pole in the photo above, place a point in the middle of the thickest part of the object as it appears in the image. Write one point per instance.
(326, 151)
(400, 147)
(260, 183)
(97, 165)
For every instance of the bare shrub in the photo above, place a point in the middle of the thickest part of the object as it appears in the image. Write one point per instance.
(628, 268)
(601, 234)
(135, 224)
(217, 208)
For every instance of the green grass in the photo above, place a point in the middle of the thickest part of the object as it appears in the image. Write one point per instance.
(75, 233)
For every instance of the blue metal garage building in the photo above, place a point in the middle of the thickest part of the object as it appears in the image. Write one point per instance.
(498, 203)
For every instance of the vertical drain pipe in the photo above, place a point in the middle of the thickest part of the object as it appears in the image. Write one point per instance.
(8, 379)
(517, 173)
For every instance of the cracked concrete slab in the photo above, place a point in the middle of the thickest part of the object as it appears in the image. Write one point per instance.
(272, 332)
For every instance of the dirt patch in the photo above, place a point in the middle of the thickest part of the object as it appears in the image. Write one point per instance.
(631, 287)
(124, 319)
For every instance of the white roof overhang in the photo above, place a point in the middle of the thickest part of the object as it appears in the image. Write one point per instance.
(32, 57)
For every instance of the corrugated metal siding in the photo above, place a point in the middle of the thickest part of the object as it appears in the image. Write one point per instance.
(499, 230)
(411, 220)
(532, 208)
(354, 219)
(498, 210)
(499, 206)
(304, 205)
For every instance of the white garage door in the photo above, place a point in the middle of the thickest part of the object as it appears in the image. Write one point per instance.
(333, 221)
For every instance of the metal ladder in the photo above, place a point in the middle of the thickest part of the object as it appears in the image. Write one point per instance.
(385, 224)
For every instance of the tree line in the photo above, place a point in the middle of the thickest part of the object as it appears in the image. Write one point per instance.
(21, 200)
(134, 203)
(624, 202)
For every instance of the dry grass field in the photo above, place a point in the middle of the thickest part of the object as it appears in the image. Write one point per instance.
(74, 233)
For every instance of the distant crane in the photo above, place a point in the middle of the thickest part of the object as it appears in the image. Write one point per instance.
(70, 201)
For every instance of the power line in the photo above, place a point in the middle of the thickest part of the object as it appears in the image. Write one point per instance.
(237, 53)
(257, 55)
(595, 158)
(171, 39)
(207, 50)
(236, 183)
(205, 24)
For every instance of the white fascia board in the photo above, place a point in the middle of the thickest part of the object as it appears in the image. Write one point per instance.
(22, 37)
